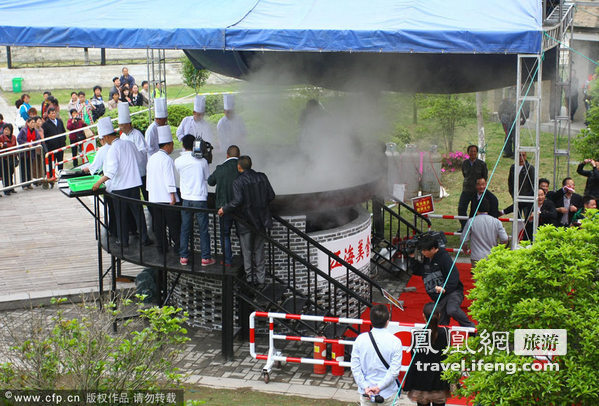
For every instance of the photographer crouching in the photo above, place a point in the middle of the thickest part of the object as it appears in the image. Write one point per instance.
(434, 267)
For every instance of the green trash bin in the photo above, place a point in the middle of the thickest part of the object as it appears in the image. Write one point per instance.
(17, 85)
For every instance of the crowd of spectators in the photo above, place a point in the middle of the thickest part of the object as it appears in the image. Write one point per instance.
(33, 125)
(561, 208)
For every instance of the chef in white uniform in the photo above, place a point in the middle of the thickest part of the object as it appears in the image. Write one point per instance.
(162, 188)
(160, 119)
(196, 125)
(121, 175)
(230, 128)
(97, 165)
(128, 133)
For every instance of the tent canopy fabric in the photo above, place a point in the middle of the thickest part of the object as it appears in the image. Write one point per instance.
(385, 26)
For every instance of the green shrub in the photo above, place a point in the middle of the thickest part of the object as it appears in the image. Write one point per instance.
(551, 284)
(82, 352)
(214, 104)
(176, 114)
(213, 119)
(139, 121)
(401, 135)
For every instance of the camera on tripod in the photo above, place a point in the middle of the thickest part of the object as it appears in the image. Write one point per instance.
(412, 246)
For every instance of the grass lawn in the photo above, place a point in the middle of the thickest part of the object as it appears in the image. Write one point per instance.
(248, 397)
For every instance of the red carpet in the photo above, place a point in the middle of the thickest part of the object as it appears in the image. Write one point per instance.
(415, 301)
(413, 304)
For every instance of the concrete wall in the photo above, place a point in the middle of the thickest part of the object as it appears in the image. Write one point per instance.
(45, 55)
(79, 77)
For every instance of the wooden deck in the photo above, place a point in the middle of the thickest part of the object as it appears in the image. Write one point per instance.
(47, 247)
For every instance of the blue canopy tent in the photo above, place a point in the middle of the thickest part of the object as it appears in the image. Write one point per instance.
(432, 45)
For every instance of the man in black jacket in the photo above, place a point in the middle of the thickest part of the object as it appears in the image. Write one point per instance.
(472, 169)
(223, 177)
(252, 194)
(566, 202)
(54, 126)
(434, 270)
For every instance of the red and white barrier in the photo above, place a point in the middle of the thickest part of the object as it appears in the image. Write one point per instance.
(449, 217)
(51, 174)
(403, 330)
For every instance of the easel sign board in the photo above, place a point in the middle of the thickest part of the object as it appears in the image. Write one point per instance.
(391, 299)
(423, 204)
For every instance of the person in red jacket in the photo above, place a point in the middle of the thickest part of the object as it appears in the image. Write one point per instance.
(8, 140)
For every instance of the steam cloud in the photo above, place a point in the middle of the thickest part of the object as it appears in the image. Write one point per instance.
(338, 145)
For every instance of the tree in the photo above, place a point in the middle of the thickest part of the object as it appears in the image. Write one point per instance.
(193, 77)
(587, 142)
(448, 112)
(551, 284)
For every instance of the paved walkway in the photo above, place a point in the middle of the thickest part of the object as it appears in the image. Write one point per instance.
(48, 248)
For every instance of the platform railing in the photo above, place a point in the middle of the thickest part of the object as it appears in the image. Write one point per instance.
(325, 294)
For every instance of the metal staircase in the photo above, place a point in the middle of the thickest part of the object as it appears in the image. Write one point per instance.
(403, 223)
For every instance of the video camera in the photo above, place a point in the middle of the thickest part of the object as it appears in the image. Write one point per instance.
(412, 246)
(202, 149)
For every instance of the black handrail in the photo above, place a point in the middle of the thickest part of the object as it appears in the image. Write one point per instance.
(395, 231)
(332, 281)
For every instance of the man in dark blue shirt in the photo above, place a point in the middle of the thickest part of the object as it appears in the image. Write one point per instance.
(435, 268)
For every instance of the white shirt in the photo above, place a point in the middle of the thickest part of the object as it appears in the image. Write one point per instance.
(199, 129)
(152, 139)
(483, 235)
(231, 132)
(565, 217)
(120, 166)
(99, 159)
(136, 137)
(193, 175)
(160, 182)
(366, 366)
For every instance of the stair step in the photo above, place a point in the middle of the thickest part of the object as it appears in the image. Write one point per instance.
(294, 304)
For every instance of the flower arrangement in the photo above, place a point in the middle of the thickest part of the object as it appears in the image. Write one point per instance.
(453, 161)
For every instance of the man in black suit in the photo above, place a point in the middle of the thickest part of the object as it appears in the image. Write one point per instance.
(481, 185)
(54, 126)
(566, 202)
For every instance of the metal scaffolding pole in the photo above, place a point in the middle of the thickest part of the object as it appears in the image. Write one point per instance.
(156, 67)
(528, 90)
(562, 135)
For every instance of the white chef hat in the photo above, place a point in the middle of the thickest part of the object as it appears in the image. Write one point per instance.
(124, 114)
(105, 127)
(164, 134)
(228, 101)
(160, 108)
(199, 104)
